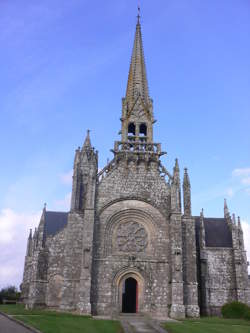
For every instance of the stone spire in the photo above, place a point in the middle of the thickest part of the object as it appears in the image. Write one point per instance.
(137, 78)
(186, 193)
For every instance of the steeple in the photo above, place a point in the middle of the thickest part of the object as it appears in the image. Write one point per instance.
(137, 78)
(137, 107)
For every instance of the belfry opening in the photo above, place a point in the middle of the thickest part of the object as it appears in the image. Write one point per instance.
(130, 296)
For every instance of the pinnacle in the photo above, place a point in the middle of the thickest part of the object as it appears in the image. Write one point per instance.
(186, 180)
(226, 210)
(30, 234)
(202, 212)
(87, 142)
(176, 167)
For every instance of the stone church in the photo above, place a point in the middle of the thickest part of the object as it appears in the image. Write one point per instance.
(128, 244)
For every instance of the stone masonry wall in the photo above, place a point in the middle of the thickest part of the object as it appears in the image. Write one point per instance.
(132, 194)
(132, 180)
(219, 284)
(56, 263)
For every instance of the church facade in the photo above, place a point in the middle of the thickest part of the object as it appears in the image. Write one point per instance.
(127, 244)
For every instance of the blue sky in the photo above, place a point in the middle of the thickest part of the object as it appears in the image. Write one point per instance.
(64, 70)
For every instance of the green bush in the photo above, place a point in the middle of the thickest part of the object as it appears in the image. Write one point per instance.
(236, 310)
(247, 315)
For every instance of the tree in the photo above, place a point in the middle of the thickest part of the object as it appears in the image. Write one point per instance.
(9, 293)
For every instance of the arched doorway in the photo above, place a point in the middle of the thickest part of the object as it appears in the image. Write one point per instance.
(130, 295)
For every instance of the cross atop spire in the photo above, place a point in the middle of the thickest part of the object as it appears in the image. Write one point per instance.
(139, 12)
(137, 78)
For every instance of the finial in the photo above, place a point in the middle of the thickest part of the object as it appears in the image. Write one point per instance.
(30, 235)
(233, 218)
(202, 212)
(45, 206)
(239, 224)
(139, 13)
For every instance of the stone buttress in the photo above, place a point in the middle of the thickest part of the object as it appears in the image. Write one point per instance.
(79, 233)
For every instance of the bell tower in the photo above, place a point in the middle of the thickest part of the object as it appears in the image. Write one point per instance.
(137, 107)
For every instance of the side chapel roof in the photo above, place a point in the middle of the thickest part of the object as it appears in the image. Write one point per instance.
(217, 232)
(55, 222)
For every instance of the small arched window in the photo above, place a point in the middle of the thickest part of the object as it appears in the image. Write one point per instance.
(131, 129)
(143, 130)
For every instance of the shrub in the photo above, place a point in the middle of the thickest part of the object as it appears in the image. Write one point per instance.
(236, 310)
(247, 315)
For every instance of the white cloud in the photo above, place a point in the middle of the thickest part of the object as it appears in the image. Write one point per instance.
(247, 190)
(246, 180)
(246, 233)
(229, 192)
(243, 174)
(63, 204)
(66, 177)
(14, 231)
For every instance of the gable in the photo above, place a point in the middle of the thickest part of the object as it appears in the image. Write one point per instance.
(139, 111)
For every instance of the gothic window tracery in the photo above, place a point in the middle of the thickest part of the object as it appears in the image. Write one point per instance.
(131, 237)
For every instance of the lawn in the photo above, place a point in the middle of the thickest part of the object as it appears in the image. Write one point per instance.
(56, 322)
(209, 325)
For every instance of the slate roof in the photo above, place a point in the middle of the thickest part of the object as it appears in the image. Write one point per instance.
(54, 222)
(217, 232)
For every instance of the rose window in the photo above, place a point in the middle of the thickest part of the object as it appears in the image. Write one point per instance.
(131, 237)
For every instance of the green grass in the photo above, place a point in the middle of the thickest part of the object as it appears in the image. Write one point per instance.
(209, 325)
(57, 322)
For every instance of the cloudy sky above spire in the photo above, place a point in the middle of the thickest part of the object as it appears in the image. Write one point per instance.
(65, 68)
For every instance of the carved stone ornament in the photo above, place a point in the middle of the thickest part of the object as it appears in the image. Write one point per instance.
(131, 237)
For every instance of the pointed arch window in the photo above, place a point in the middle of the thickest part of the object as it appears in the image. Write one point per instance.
(131, 129)
(143, 130)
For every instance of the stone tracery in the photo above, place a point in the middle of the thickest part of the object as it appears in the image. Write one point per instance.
(131, 237)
